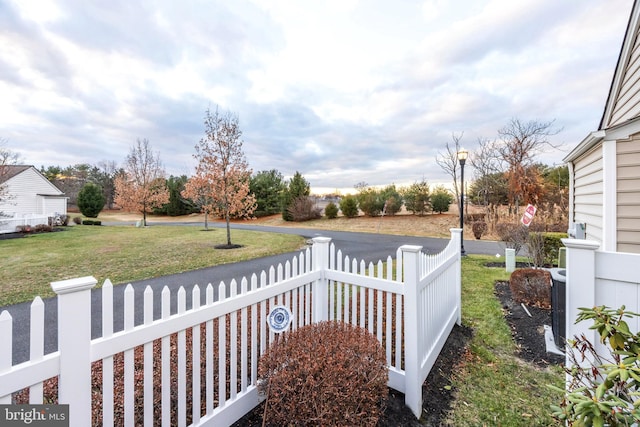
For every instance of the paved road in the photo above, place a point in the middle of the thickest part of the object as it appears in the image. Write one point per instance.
(363, 246)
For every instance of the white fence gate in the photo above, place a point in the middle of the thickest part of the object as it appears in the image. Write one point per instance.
(10, 224)
(205, 358)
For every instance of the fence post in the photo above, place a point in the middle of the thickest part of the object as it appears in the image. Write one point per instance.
(456, 235)
(413, 385)
(580, 285)
(74, 345)
(320, 293)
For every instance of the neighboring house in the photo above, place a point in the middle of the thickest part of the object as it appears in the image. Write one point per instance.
(605, 166)
(30, 193)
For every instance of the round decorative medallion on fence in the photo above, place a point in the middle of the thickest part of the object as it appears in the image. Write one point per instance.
(279, 319)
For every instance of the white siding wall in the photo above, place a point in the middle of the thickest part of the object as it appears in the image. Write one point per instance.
(25, 188)
(628, 195)
(588, 192)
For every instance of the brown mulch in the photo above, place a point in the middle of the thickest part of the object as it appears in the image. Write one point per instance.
(527, 328)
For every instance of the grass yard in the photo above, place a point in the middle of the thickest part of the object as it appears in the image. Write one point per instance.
(122, 254)
(494, 387)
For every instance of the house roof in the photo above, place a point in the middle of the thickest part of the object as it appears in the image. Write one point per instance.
(622, 102)
(622, 109)
(9, 171)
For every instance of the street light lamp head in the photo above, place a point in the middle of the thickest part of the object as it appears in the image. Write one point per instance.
(462, 156)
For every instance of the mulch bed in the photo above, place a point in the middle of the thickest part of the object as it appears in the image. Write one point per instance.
(527, 331)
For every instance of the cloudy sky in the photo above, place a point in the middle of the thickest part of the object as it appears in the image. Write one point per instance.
(343, 91)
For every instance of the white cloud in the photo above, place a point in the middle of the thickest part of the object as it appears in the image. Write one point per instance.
(342, 91)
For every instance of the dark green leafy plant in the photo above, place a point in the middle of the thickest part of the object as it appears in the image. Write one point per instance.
(349, 206)
(441, 199)
(90, 200)
(602, 390)
(331, 210)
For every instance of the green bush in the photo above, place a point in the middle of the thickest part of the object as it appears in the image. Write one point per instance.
(91, 222)
(296, 188)
(441, 199)
(331, 210)
(90, 200)
(417, 198)
(552, 242)
(349, 206)
(602, 389)
(370, 201)
(324, 374)
(392, 200)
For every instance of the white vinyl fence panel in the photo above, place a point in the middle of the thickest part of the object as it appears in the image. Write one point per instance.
(199, 365)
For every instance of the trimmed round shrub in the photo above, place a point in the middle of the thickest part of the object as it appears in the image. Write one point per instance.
(331, 210)
(479, 228)
(531, 286)
(327, 373)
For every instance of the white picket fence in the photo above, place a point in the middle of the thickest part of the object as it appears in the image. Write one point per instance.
(10, 224)
(595, 278)
(206, 357)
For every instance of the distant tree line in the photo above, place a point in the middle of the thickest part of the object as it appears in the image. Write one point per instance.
(224, 186)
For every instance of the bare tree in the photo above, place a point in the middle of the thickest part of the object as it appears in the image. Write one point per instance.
(448, 161)
(519, 143)
(7, 158)
(222, 176)
(142, 185)
(105, 175)
(487, 165)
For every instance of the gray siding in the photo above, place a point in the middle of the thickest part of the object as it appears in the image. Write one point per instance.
(628, 195)
(588, 192)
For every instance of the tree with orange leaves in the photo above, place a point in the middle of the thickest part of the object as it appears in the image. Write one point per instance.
(142, 185)
(520, 142)
(220, 185)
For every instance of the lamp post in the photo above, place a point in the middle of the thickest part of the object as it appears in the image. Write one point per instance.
(462, 157)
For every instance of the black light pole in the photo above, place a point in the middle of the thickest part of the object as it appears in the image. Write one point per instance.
(462, 157)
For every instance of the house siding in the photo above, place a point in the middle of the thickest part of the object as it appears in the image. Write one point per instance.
(29, 191)
(588, 192)
(627, 103)
(628, 194)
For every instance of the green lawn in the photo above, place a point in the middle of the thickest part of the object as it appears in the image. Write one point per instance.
(122, 254)
(493, 387)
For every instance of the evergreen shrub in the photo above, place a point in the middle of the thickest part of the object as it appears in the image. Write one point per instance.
(331, 210)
